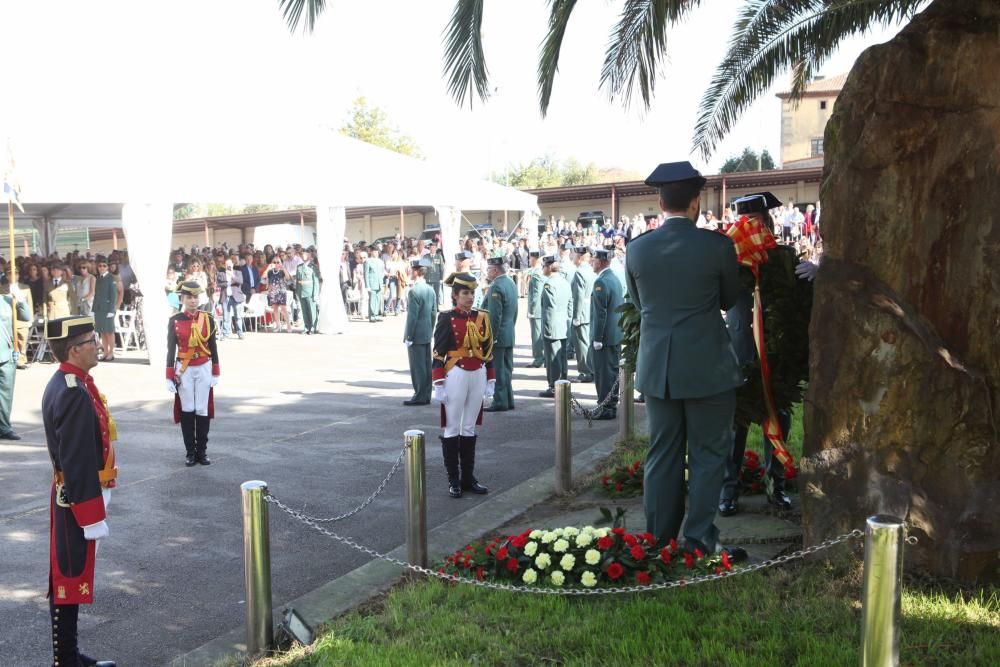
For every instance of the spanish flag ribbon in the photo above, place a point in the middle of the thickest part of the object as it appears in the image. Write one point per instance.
(752, 241)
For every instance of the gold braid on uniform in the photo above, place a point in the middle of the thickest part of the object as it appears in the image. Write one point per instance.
(112, 426)
(475, 342)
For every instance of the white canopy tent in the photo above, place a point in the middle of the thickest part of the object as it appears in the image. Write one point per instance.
(63, 172)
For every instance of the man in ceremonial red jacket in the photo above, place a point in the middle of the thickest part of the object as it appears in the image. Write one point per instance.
(79, 432)
(192, 371)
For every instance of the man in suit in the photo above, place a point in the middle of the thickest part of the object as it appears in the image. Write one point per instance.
(536, 280)
(501, 303)
(374, 278)
(681, 277)
(605, 331)
(251, 276)
(421, 316)
(307, 289)
(59, 293)
(9, 356)
(230, 283)
(556, 309)
(582, 287)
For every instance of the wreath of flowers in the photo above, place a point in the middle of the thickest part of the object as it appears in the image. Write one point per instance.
(624, 481)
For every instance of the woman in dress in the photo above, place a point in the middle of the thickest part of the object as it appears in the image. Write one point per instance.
(277, 280)
(195, 273)
(84, 280)
(107, 299)
(397, 282)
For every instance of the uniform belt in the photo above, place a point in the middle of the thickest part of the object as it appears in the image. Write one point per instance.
(105, 476)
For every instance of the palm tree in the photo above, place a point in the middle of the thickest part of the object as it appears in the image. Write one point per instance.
(770, 36)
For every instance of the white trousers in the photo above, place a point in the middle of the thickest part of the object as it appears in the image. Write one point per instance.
(193, 389)
(464, 390)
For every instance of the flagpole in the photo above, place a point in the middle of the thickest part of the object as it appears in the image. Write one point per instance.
(12, 272)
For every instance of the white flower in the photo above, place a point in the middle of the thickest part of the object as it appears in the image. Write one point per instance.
(529, 576)
(583, 539)
(589, 530)
(570, 531)
(593, 556)
(558, 578)
(531, 548)
(588, 579)
(548, 537)
(543, 561)
(602, 532)
(558, 532)
(535, 534)
(567, 562)
(560, 546)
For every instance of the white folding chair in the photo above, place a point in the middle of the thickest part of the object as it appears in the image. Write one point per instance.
(125, 328)
(254, 310)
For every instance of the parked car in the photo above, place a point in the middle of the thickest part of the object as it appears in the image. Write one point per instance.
(588, 218)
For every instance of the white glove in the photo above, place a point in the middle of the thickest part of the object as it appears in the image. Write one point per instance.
(806, 270)
(408, 343)
(16, 292)
(215, 380)
(491, 388)
(597, 345)
(96, 531)
(576, 323)
(439, 394)
(110, 315)
(171, 387)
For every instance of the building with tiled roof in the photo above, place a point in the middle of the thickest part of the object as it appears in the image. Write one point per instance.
(804, 121)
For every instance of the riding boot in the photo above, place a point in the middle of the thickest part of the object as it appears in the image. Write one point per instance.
(449, 449)
(64, 649)
(467, 454)
(201, 439)
(188, 431)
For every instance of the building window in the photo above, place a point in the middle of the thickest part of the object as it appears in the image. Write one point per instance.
(816, 147)
(822, 104)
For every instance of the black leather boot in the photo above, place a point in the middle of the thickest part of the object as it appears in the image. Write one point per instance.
(467, 455)
(778, 497)
(449, 449)
(187, 430)
(201, 439)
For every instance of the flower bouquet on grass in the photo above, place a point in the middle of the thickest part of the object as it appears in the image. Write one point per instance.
(624, 481)
(753, 479)
(586, 557)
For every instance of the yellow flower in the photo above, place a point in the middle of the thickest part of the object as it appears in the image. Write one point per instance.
(570, 531)
(531, 548)
(567, 562)
(543, 561)
(583, 539)
(535, 534)
(588, 579)
(529, 576)
(557, 578)
(560, 546)
(593, 556)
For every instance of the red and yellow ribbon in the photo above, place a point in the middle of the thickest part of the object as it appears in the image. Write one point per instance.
(752, 241)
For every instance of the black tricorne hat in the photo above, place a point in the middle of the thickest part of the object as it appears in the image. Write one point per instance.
(550, 259)
(67, 327)
(602, 253)
(495, 261)
(461, 281)
(534, 253)
(759, 202)
(674, 172)
(462, 256)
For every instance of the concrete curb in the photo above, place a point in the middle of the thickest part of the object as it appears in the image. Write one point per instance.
(360, 585)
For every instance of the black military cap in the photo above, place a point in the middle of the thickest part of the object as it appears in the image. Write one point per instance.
(759, 202)
(461, 280)
(190, 287)
(534, 253)
(603, 253)
(462, 256)
(495, 261)
(582, 250)
(674, 172)
(415, 264)
(550, 259)
(67, 327)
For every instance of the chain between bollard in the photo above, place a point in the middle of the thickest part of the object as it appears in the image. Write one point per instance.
(590, 414)
(679, 583)
(369, 500)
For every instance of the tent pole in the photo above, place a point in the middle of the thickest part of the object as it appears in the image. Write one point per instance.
(12, 268)
(402, 224)
(302, 229)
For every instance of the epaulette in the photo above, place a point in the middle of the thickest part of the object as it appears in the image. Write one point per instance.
(71, 381)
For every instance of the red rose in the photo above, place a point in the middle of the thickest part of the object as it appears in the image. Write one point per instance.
(751, 464)
(648, 538)
(750, 455)
(638, 552)
(512, 565)
(467, 563)
(618, 486)
(468, 547)
(440, 570)
(604, 481)
(665, 555)
(718, 570)
(726, 563)
(479, 573)
(698, 554)
(526, 533)
(673, 545)
(688, 561)
(502, 554)
(643, 578)
(519, 541)
(489, 548)
(615, 570)
(618, 531)
(605, 543)
(630, 540)
(635, 466)
(631, 472)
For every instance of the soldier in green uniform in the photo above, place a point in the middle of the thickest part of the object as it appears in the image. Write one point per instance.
(605, 331)
(307, 289)
(421, 315)
(435, 272)
(9, 357)
(681, 278)
(582, 286)
(374, 277)
(501, 303)
(567, 269)
(536, 280)
(556, 311)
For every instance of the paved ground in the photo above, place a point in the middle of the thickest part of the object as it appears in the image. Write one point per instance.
(319, 418)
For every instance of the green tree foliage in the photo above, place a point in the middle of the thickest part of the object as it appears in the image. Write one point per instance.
(370, 124)
(548, 172)
(748, 161)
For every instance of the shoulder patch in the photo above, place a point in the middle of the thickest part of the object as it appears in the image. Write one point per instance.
(597, 288)
(71, 381)
(496, 296)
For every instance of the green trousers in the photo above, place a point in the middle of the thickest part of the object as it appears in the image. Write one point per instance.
(581, 343)
(374, 304)
(420, 370)
(503, 366)
(556, 367)
(7, 370)
(705, 426)
(308, 305)
(537, 343)
(605, 365)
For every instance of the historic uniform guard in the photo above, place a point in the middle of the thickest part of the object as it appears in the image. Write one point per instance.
(557, 308)
(536, 280)
(79, 432)
(501, 303)
(307, 289)
(421, 315)
(9, 357)
(463, 377)
(192, 372)
(681, 278)
(374, 279)
(582, 286)
(605, 331)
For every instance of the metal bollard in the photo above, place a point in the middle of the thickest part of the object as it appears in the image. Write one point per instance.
(416, 499)
(881, 592)
(626, 403)
(564, 438)
(257, 567)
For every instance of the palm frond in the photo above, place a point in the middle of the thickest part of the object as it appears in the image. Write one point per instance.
(774, 35)
(464, 62)
(548, 59)
(637, 47)
(292, 11)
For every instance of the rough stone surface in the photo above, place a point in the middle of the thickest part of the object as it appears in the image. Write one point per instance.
(902, 411)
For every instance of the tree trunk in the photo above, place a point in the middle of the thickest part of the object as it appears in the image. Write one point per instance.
(902, 411)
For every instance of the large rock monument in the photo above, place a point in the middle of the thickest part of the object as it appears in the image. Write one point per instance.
(902, 414)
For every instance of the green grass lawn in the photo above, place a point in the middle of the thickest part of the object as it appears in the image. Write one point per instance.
(797, 615)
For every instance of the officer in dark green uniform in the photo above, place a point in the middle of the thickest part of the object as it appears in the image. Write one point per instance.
(536, 280)
(556, 311)
(307, 289)
(567, 268)
(582, 286)
(8, 357)
(501, 303)
(435, 272)
(681, 278)
(421, 315)
(605, 331)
